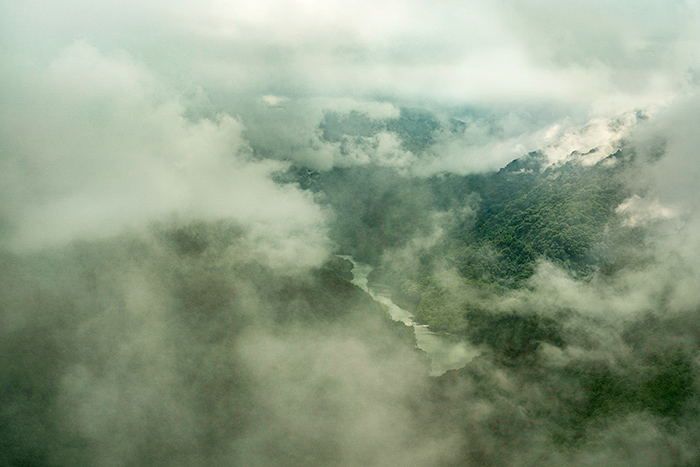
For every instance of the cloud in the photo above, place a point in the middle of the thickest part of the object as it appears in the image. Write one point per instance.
(176, 347)
(451, 52)
(514, 57)
(97, 144)
(639, 211)
(272, 100)
(290, 130)
(674, 175)
(343, 394)
(598, 139)
(118, 115)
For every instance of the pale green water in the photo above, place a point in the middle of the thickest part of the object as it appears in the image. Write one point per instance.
(444, 353)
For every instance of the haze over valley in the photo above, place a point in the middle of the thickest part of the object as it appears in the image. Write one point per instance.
(398, 233)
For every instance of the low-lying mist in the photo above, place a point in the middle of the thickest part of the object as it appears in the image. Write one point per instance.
(177, 180)
(172, 347)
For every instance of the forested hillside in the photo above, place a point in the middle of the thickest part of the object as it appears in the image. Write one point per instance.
(531, 264)
(406, 233)
(494, 227)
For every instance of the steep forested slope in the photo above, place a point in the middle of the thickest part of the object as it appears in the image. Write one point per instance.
(494, 227)
(535, 266)
(565, 214)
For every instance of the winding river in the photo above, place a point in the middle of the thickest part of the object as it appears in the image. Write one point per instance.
(444, 352)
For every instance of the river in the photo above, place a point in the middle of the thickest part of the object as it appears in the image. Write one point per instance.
(444, 352)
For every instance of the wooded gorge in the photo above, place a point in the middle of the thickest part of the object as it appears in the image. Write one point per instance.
(401, 233)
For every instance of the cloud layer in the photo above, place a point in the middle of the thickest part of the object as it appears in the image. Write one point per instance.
(161, 302)
(96, 144)
(533, 65)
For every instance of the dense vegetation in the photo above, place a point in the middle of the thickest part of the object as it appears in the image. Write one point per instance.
(175, 347)
(564, 214)
(496, 226)
(495, 230)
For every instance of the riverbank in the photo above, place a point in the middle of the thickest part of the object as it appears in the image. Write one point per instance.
(444, 352)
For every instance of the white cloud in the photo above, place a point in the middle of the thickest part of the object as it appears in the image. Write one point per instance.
(452, 52)
(586, 60)
(594, 142)
(278, 65)
(639, 211)
(272, 100)
(96, 144)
